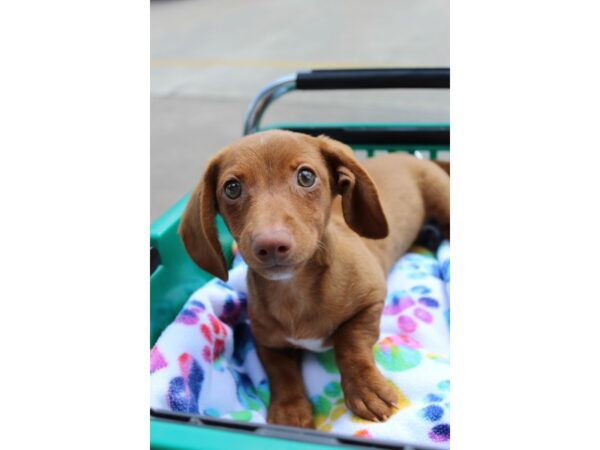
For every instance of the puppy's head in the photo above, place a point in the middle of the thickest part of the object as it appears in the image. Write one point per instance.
(274, 190)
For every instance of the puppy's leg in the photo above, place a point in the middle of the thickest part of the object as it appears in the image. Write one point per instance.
(366, 392)
(288, 405)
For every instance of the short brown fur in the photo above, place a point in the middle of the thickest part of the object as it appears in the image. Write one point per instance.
(346, 233)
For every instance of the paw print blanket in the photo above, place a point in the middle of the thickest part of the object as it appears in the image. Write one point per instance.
(205, 361)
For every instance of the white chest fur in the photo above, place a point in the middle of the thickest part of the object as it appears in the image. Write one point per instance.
(314, 345)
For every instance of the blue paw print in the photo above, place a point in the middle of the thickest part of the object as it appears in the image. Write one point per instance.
(437, 411)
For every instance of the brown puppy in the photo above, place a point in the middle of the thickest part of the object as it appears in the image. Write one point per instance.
(317, 263)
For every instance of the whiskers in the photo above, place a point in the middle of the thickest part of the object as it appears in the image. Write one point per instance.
(322, 254)
(321, 247)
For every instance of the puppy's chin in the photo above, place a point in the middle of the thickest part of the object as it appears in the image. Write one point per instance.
(277, 273)
(279, 276)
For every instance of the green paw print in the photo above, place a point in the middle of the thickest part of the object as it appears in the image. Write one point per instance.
(327, 361)
(242, 416)
(396, 358)
(263, 392)
(329, 407)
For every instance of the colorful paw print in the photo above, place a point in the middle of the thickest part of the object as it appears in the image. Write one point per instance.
(403, 304)
(190, 315)
(263, 391)
(246, 393)
(423, 263)
(214, 335)
(241, 416)
(211, 412)
(398, 302)
(328, 407)
(438, 358)
(397, 353)
(419, 259)
(157, 360)
(437, 411)
(326, 360)
(445, 271)
(184, 390)
(399, 339)
(363, 433)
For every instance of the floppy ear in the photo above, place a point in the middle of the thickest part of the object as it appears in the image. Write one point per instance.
(360, 200)
(197, 227)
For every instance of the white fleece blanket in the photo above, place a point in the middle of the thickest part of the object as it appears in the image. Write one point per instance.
(205, 361)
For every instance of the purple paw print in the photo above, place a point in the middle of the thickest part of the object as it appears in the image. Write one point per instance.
(189, 316)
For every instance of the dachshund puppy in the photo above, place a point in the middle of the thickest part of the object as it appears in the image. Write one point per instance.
(319, 232)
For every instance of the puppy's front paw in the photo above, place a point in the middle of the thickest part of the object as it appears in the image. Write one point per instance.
(293, 412)
(370, 397)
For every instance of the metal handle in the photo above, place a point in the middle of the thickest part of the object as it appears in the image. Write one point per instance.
(374, 79)
(343, 79)
(264, 98)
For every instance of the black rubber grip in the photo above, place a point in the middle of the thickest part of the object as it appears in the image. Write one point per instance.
(374, 79)
(413, 136)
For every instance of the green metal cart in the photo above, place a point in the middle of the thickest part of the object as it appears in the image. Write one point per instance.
(174, 277)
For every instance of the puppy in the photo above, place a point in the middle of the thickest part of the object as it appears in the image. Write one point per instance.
(319, 232)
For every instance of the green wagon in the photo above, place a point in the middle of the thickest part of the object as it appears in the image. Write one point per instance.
(174, 277)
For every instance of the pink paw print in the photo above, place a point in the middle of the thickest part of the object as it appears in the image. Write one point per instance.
(407, 307)
(215, 335)
(397, 340)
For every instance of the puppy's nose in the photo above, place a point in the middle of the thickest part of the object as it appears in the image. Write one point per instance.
(272, 247)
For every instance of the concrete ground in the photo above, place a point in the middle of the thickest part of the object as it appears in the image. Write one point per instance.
(209, 58)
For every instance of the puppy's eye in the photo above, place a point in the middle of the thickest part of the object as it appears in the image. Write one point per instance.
(306, 178)
(233, 189)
